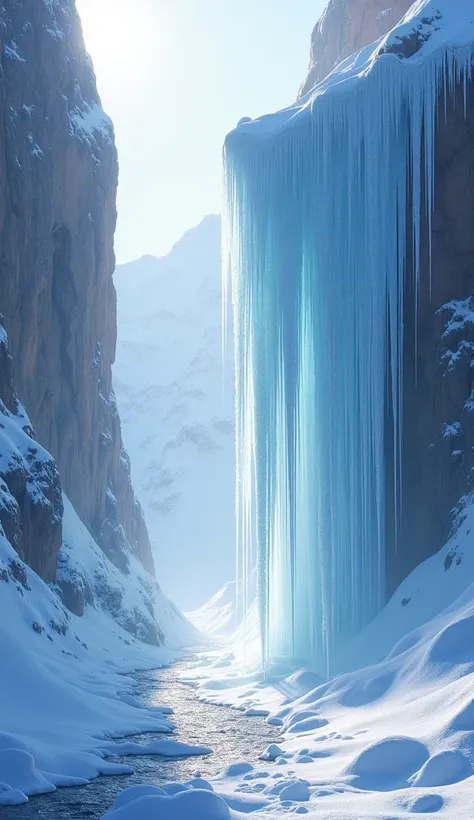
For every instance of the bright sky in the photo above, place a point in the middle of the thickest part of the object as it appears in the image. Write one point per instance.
(176, 76)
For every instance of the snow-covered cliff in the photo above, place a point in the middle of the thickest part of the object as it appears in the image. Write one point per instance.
(57, 218)
(58, 180)
(63, 643)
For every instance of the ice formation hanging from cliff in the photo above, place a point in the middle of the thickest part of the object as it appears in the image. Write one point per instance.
(325, 203)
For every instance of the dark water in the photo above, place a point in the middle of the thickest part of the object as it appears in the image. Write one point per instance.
(232, 736)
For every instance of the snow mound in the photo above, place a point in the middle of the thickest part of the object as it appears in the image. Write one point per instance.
(134, 793)
(455, 643)
(198, 804)
(306, 721)
(388, 763)
(443, 769)
(300, 683)
(464, 720)
(296, 792)
(17, 768)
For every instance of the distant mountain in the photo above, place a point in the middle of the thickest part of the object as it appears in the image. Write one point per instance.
(217, 617)
(177, 409)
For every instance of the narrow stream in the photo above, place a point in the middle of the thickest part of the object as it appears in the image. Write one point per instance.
(231, 735)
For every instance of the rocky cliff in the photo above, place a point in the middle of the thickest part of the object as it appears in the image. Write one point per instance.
(58, 179)
(346, 26)
(39, 530)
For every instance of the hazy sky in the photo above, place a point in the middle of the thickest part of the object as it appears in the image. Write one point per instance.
(176, 76)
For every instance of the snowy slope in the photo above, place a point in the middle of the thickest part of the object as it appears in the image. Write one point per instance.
(62, 689)
(177, 420)
(217, 617)
(134, 600)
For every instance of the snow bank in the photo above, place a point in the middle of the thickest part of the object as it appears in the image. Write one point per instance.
(62, 687)
(162, 748)
(196, 804)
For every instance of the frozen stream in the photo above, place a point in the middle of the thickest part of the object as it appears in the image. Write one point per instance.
(232, 736)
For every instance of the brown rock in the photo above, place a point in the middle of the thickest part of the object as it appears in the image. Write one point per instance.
(58, 179)
(345, 27)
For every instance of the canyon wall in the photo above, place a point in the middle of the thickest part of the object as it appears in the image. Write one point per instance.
(58, 180)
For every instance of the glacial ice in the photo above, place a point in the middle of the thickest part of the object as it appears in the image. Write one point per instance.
(318, 198)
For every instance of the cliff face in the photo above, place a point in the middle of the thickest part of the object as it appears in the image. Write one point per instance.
(58, 179)
(346, 26)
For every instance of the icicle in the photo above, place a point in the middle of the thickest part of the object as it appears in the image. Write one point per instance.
(316, 235)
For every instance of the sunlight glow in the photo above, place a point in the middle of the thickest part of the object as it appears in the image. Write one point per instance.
(121, 35)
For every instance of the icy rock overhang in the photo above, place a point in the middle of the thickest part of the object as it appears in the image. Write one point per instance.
(432, 30)
(319, 199)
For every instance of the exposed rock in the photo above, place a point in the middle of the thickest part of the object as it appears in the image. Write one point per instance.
(86, 577)
(438, 412)
(72, 595)
(30, 490)
(345, 27)
(58, 179)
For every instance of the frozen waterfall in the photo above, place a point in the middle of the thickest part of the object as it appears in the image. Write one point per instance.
(318, 200)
